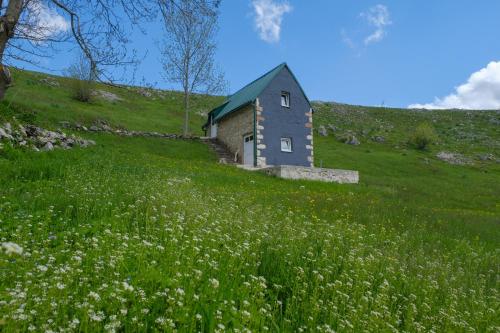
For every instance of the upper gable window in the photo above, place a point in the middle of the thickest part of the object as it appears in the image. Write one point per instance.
(285, 99)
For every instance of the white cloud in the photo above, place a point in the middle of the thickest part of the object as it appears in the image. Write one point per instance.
(43, 22)
(377, 16)
(480, 92)
(268, 18)
(346, 39)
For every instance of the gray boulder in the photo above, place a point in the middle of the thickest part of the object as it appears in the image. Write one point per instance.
(322, 131)
(50, 82)
(8, 128)
(332, 127)
(48, 147)
(486, 157)
(144, 92)
(22, 131)
(354, 141)
(349, 138)
(378, 138)
(108, 96)
(5, 135)
(453, 158)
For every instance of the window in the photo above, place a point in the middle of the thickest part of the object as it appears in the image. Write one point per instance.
(248, 138)
(285, 99)
(286, 145)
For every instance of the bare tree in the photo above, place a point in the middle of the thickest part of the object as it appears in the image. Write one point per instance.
(95, 26)
(188, 48)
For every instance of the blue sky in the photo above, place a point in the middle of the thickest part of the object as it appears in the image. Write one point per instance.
(358, 52)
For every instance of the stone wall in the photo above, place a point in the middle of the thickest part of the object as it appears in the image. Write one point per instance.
(259, 126)
(321, 174)
(232, 128)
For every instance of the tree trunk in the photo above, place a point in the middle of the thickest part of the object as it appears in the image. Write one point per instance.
(5, 80)
(7, 25)
(186, 112)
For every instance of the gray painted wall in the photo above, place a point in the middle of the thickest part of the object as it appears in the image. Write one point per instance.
(285, 122)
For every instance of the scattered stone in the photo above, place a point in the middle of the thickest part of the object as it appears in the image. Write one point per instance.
(349, 138)
(332, 128)
(103, 126)
(453, 158)
(4, 135)
(50, 82)
(8, 128)
(39, 139)
(144, 92)
(108, 96)
(201, 113)
(48, 147)
(486, 157)
(353, 141)
(22, 130)
(322, 131)
(378, 138)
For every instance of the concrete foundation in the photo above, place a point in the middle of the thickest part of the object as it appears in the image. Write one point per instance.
(306, 173)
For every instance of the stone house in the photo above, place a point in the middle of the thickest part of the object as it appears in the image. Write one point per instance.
(266, 123)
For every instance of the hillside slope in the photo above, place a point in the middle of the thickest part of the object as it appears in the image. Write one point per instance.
(146, 234)
(46, 100)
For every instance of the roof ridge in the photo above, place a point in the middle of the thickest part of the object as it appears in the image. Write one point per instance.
(257, 79)
(246, 94)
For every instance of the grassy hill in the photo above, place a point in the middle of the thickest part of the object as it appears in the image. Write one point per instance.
(46, 100)
(144, 234)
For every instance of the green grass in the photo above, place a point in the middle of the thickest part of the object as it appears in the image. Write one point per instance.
(143, 234)
(47, 105)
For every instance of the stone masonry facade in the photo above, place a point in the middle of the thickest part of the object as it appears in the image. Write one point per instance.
(261, 160)
(310, 146)
(233, 128)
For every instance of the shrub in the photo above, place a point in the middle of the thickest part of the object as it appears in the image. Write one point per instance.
(81, 80)
(423, 136)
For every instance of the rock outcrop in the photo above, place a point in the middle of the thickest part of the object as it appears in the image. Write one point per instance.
(453, 158)
(39, 139)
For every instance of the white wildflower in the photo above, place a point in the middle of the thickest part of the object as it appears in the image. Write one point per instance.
(127, 287)
(42, 268)
(214, 283)
(95, 296)
(12, 248)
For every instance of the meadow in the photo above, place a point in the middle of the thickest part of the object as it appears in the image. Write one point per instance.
(146, 234)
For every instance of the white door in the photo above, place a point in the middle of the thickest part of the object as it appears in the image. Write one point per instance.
(213, 130)
(248, 149)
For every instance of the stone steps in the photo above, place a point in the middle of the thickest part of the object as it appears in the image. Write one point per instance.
(223, 154)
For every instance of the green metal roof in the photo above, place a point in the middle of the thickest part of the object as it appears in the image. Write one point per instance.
(246, 95)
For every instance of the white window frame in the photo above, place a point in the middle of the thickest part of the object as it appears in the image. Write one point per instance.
(288, 142)
(285, 99)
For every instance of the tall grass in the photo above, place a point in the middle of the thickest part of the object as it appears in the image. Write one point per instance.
(145, 235)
